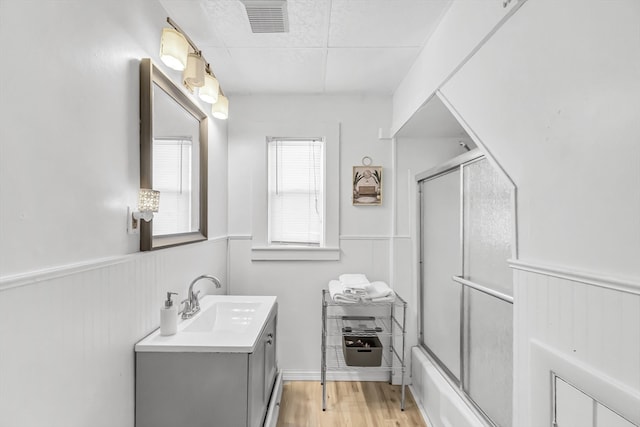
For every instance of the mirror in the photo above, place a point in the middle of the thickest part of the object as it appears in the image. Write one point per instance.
(173, 160)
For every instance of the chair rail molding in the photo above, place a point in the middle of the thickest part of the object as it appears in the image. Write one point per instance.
(621, 284)
(56, 272)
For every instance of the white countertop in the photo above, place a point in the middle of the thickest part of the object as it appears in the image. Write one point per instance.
(225, 324)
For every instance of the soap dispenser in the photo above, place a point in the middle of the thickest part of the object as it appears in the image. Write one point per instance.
(169, 316)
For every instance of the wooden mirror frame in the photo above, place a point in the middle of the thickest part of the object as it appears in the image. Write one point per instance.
(150, 75)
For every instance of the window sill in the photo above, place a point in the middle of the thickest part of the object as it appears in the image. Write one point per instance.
(293, 253)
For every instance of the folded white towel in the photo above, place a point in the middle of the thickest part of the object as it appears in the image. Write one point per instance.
(354, 281)
(354, 291)
(379, 292)
(373, 292)
(336, 290)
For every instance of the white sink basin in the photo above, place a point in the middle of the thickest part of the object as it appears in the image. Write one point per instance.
(233, 317)
(225, 323)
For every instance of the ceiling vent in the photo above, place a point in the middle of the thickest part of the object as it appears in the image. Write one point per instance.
(267, 16)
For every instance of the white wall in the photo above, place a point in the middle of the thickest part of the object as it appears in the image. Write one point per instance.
(554, 95)
(360, 117)
(559, 110)
(75, 294)
(364, 230)
(460, 31)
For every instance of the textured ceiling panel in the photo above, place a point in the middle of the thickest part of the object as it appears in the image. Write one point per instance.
(332, 46)
(383, 23)
(280, 70)
(191, 17)
(373, 70)
(230, 75)
(308, 24)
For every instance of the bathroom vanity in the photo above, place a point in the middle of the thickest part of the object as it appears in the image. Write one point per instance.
(220, 369)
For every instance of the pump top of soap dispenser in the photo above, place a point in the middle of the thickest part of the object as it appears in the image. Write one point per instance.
(168, 303)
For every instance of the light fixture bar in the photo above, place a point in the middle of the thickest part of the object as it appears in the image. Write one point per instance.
(178, 29)
(195, 48)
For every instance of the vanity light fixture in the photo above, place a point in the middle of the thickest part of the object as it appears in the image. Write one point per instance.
(220, 110)
(179, 52)
(148, 204)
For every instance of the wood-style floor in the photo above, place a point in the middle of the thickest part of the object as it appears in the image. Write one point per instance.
(349, 404)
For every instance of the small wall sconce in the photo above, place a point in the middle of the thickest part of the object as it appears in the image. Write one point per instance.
(148, 204)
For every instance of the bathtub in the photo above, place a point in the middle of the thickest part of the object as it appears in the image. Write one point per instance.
(436, 398)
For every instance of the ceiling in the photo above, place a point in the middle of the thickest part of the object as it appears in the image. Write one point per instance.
(333, 46)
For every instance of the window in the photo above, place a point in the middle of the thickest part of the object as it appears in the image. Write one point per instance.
(172, 176)
(296, 191)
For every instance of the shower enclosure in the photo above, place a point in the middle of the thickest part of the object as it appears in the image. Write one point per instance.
(467, 234)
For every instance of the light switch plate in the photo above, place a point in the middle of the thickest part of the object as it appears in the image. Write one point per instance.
(133, 225)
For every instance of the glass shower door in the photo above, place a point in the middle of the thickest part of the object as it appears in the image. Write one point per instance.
(441, 259)
(467, 236)
(488, 314)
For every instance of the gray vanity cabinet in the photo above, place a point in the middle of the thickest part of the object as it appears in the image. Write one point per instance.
(207, 389)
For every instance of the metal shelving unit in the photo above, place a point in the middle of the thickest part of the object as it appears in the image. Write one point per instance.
(386, 321)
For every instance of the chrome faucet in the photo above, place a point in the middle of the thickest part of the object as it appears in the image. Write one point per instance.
(192, 303)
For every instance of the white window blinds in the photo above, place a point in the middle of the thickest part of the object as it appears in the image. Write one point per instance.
(296, 191)
(172, 176)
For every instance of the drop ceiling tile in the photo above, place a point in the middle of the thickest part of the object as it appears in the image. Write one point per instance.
(191, 18)
(273, 70)
(383, 23)
(308, 24)
(230, 76)
(370, 70)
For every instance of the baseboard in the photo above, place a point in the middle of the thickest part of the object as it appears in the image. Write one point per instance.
(271, 419)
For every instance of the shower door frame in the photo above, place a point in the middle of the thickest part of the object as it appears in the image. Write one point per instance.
(458, 163)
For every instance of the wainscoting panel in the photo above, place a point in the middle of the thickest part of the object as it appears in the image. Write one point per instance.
(586, 329)
(67, 335)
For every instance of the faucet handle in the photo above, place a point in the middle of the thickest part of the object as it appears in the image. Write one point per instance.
(196, 300)
(187, 305)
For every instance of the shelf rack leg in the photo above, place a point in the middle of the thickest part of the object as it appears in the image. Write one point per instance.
(323, 367)
(404, 354)
(392, 339)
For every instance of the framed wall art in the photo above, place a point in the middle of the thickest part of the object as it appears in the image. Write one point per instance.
(367, 185)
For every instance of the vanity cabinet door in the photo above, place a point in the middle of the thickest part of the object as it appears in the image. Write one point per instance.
(270, 365)
(191, 389)
(262, 369)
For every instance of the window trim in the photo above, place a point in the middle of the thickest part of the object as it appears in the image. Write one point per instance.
(260, 250)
